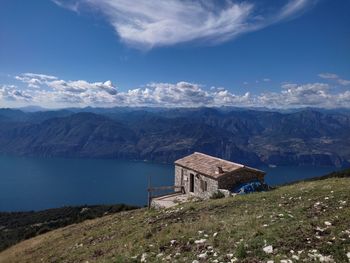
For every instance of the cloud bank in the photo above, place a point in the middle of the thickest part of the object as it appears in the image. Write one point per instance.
(52, 92)
(153, 23)
(335, 78)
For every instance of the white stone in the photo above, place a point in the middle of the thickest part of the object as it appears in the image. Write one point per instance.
(203, 255)
(270, 261)
(229, 256)
(320, 229)
(325, 258)
(327, 223)
(200, 241)
(195, 261)
(173, 242)
(268, 249)
(143, 257)
(215, 234)
(295, 257)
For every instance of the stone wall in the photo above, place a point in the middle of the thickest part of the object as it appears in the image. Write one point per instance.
(241, 176)
(200, 182)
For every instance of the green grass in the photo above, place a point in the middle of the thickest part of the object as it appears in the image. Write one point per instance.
(290, 218)
(18, 226)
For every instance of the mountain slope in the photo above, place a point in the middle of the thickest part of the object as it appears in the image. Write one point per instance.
(308, 221)
(306, 137)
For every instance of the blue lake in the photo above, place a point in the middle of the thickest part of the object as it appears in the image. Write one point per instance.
(40, 183)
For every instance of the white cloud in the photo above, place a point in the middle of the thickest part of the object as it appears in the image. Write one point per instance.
(50, 91)
(153, 23)
(34, 80)
(293, 8)
(11, 93)
(334, 77)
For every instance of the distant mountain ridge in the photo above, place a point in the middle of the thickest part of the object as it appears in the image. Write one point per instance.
(253, 137)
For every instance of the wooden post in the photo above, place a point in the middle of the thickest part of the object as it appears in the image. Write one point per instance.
(149, 192)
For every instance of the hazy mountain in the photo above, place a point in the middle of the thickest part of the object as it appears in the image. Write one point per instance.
(304, 137)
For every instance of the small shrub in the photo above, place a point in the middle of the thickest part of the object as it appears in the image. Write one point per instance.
(241, 251)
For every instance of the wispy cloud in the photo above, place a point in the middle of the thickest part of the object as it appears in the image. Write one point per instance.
(334, 77)
(152, 23)
(50, 91)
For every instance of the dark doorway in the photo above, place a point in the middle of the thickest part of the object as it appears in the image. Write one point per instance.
(192, 183)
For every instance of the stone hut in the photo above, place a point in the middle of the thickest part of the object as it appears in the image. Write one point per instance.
(202, 175)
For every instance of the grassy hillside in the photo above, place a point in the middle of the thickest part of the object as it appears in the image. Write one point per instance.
(307, 221)
(18, 226)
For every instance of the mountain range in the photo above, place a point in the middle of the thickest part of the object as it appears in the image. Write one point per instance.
(250, 136)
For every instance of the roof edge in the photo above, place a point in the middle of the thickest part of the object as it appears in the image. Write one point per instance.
(207, 175)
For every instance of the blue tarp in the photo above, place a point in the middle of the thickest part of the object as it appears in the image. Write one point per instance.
(250, 187)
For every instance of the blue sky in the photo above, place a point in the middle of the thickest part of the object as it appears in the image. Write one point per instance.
(175, 53)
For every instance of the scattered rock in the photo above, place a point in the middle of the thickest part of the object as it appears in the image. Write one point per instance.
(268, 249)
(327, 223)
(215, 234)
(203, 255)
(320, 229)
(144, 257)
(200, 241)
(229, 256)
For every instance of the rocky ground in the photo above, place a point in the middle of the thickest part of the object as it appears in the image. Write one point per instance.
(303, 222)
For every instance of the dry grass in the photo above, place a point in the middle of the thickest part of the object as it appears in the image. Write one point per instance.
(291, 219)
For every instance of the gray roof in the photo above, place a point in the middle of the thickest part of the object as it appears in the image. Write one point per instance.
(208, 165)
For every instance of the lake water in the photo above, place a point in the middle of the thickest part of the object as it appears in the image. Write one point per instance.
(40, 183)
